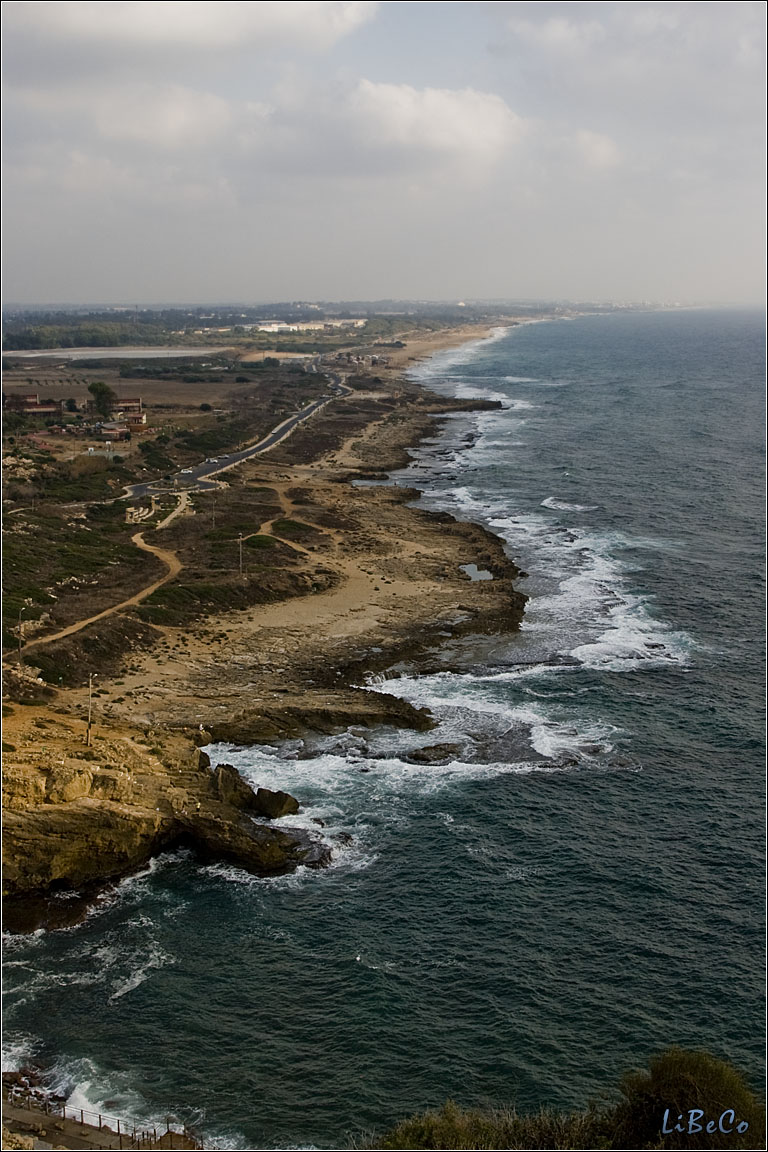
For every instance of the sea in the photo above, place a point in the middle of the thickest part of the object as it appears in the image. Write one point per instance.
(579, 886)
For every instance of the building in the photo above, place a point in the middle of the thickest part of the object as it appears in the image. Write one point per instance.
(30, 404)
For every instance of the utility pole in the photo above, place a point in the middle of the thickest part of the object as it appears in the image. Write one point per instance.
(91, 677)
(21, 610)
(213, 512)
(240, 545)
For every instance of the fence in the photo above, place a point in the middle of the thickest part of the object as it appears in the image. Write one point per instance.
(118, 1133)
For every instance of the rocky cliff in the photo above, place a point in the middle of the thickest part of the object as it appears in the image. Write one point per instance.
(77, 817)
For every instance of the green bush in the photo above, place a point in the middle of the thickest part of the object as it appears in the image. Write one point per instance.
(689, 1089)
(260, 542)
(454, 1127)
(678, 1081)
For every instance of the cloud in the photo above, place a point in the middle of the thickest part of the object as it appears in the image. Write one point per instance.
(559, 35)
(596, 150)
(461, 124)
(163, 116)
(188, 24)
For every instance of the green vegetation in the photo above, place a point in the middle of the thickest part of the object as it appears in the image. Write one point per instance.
(680, 1080)
(293, 529)
(258, 542)
(692, 1089)
(104, 398)
(44, 549)
(177, 604)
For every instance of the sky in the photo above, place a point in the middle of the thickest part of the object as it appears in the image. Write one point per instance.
(197, 152)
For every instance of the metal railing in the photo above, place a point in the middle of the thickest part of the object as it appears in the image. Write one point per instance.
(126, 1133)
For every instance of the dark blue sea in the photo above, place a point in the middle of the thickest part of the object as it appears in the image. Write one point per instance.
(580, 887)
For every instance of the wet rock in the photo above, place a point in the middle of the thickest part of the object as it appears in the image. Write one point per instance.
(434, 754)
(218, 835)
(229, 787)
(273, 805)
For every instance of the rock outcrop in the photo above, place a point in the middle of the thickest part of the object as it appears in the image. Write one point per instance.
(273, 805)
(434, 754)
(79, 818)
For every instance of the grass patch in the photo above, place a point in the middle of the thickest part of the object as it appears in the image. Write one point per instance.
(260, 541)
(293, 529)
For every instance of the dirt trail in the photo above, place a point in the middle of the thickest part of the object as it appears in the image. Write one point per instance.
(181, 507)
(170, 559)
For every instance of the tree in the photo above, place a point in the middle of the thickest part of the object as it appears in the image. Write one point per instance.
(71, 404)
(104, 398)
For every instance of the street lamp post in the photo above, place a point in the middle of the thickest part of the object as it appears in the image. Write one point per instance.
(91, 677)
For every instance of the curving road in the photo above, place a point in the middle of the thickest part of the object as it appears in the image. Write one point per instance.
(198, 477)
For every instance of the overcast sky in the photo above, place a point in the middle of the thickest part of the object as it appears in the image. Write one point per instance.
(194, 151)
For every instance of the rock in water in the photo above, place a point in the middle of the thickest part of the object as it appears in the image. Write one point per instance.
(275, 804)
(434, 754)
(231, 789)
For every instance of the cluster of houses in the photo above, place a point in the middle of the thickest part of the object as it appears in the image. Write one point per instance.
(128, 413)
(351, 358)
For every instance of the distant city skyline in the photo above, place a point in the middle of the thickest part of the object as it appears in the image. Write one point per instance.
(250, 153)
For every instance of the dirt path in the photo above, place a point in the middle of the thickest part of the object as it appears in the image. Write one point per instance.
(170, 559)
(183, 501)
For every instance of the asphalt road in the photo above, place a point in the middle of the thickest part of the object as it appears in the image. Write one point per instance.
(198, 477)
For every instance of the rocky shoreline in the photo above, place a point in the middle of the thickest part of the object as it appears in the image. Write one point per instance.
(79, 817)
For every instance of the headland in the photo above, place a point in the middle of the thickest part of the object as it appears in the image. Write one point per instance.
(286, 592)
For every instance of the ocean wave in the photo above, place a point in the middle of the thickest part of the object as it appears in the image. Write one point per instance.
(440, 362)
(562, 506)
(460, 695)
(18, 1050)
(84, 1084)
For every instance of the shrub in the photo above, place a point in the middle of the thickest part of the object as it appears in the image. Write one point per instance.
(679, 1080)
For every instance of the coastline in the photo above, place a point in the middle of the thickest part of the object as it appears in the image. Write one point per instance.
(387, 585)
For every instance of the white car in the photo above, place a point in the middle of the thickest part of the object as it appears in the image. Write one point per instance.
(186, 471)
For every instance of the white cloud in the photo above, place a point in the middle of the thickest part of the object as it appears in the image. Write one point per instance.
(462, 124)
(559, 35)
(596, 150)
(189, 24)
(167, 117)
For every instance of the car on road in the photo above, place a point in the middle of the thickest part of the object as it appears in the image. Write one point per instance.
(186, 471)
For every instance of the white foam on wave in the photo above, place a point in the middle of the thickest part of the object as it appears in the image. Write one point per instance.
(152, 957)
(634, 640)
(18, 1050)
(441, 362)
(552, 738)
(467, 391)
(562, 506)
(114, 1096)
